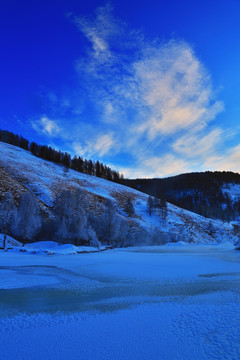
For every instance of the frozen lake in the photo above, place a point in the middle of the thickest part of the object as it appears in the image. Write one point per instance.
(161, 302)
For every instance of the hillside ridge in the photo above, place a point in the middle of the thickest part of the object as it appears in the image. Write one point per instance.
(25, 172)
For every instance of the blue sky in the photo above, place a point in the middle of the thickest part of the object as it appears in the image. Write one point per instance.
(150, 88)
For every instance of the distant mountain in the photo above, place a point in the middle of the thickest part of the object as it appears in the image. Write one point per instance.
(214, 195)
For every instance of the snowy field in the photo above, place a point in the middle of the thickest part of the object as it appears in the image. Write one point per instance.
(171, 302)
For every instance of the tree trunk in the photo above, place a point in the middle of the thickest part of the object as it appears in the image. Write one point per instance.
(4, 241)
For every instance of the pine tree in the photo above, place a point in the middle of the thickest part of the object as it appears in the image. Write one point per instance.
(150, 205)
(129, 208)
(98, 169)
(163, 207)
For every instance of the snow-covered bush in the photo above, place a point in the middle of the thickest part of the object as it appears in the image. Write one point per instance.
(70, 217)
(110, 223)
(111, 228)
(92, 238)
(138, 237)
(27, 219)
(7, 214)
(123, 232)
(114, 226)
(158, 237)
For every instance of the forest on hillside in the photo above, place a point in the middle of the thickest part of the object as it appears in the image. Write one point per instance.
(200, 192)
(71, 219)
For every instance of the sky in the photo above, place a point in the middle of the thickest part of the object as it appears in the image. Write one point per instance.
(150, 88)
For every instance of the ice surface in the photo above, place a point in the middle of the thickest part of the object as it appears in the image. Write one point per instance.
(171, 302)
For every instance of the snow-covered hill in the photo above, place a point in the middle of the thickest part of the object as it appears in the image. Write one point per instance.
(233, 191)
(20, 170)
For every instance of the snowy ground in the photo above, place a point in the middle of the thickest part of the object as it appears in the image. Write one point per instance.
(171, 302)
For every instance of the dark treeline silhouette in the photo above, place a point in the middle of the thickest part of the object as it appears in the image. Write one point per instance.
(198, 192)
(48, 153)
(10, 138)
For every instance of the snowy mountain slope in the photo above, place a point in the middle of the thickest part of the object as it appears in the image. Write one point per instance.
(233, 191)
(212, 194)
(20, 170)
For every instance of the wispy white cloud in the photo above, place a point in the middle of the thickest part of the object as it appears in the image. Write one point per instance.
(156, 167)
(101, 32)
(192, 145)
(100, 144)
(104, 144)
(165, 165)
(46, 126)
(229, 161)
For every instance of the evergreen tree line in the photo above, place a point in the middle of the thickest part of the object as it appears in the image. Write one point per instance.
(48, 153)
(70, 222)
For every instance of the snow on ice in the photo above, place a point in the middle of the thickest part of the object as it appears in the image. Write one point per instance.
(163, 302)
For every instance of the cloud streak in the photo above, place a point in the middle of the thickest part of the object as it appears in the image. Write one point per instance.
(193, 145)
